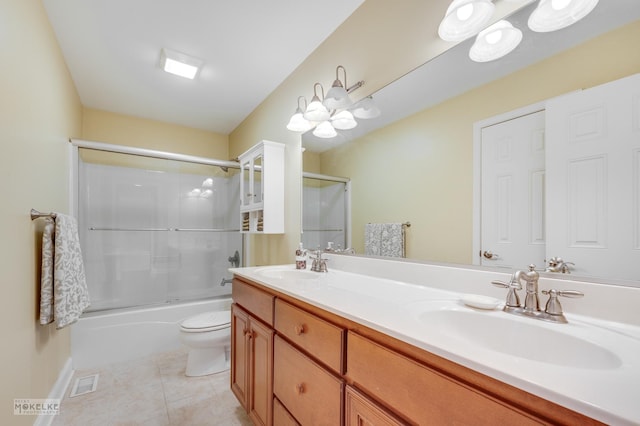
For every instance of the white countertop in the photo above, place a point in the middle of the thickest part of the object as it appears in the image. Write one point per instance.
(607, 390)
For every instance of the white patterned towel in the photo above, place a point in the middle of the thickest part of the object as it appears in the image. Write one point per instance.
(69, 294)
(46, 281)
(384, 239)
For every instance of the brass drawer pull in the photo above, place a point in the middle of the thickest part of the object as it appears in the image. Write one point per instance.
(300, 388)
(300, 329)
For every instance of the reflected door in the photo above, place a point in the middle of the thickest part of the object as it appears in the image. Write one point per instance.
(513, 193)
(593, 160)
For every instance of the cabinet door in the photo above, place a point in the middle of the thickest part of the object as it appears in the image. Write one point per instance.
(360, 411)
(260, 373)
(240, 354)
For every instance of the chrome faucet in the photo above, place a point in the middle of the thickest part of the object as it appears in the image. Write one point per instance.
(319, 264)
(226, 281)
(531, 300)
(553, 309)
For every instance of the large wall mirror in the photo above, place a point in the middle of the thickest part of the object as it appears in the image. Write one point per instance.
(415, 163)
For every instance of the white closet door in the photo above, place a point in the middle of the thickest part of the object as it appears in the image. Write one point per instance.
(513, 175)
(593, 170)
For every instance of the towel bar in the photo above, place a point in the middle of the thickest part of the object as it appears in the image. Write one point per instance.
(35, 214)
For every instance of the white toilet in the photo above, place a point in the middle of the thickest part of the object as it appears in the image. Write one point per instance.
(208, 337)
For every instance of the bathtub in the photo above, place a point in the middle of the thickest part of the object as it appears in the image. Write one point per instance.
(103, 338)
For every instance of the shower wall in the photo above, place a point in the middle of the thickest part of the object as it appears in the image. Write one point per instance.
(155, 231)
(324, 214)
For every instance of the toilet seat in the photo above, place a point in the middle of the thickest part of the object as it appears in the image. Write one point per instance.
(208, 321)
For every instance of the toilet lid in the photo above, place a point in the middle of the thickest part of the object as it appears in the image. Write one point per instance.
(207, 321)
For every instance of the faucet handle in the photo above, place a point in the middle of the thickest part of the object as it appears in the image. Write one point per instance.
(553, 306)
(513, 300)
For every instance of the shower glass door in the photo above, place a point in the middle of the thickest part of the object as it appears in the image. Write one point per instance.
(155, 231)
(324, 213)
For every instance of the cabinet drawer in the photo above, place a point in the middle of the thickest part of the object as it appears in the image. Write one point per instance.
(359, 410)
(254, 300)
(310, 393)
(281, 416)
(316, 336)
(419, 393)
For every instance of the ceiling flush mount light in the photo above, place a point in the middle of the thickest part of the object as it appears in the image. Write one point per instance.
(298, 123)
(179, 64)
(495, 41)
(465, 18)
(552, 15)
(316, 111)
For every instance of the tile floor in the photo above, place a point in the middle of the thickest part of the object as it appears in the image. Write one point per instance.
(153, 391)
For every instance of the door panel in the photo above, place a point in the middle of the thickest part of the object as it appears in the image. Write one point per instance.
(593, 151)
(513, 192)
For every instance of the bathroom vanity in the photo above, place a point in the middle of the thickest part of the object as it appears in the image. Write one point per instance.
(394, 345)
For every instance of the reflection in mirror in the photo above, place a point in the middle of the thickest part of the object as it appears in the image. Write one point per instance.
(416, 163)
(325, 218)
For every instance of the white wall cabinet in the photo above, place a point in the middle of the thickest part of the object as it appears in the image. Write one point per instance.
(262, 188)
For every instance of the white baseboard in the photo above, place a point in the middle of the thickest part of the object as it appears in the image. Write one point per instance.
(57, 392)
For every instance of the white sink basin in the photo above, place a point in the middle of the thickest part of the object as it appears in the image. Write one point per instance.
(288, 274)
(519, 337)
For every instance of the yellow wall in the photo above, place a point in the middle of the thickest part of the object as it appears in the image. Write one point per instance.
(422, 166)
(39, 110)
(108, 127)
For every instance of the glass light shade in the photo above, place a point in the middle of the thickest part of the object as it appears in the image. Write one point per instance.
(207, 183)
(464, 18)
(365, 109)
(298, 123)
(552, 15)
(337, 97)
(495, 41)
(316, 111)
(325, 130)
(343, 120)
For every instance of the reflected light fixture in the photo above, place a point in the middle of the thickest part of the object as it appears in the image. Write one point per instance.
(337, 97)
(552, 15)
(298, 123)
(465, 18)
(366, 109)
(495, 41)
(179, 64)
(316, 111)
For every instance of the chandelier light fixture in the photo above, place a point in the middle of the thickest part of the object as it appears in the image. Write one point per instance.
(466, 18)
(335, 111)
(298, 123)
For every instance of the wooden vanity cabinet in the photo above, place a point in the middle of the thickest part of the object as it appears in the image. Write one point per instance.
(296, 364)
(252, 365)
(252, 351)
